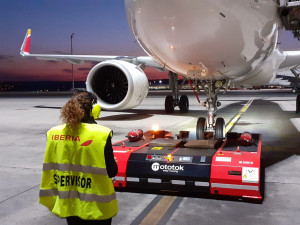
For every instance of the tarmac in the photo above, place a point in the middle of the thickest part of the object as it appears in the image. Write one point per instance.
(25, 120)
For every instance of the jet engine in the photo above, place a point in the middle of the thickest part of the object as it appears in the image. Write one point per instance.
(117, 84)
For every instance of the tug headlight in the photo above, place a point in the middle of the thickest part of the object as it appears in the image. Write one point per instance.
(155, 127)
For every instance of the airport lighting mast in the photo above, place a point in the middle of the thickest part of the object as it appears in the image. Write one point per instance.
(72, 35)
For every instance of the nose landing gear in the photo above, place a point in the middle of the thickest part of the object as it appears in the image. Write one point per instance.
(210, 128)
(205, 128)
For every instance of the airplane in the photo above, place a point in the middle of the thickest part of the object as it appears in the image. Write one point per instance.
(288, 78)
(212, 44)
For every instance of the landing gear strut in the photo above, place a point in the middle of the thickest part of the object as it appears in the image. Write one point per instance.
(210, 128)
(298, 104)
(173, 100)
(205, 129)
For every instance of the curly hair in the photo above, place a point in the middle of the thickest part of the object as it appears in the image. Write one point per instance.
(76, 109)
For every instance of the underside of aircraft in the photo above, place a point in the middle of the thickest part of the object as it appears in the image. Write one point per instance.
(212, 44)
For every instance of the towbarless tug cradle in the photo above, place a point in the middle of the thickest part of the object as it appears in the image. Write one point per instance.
(220, 167)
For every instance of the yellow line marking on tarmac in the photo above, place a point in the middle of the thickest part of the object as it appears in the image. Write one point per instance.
(160, 209)
(238, 116)
(155, 215)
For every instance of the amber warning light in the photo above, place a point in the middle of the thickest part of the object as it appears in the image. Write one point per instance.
(155, 127)
(170, 157)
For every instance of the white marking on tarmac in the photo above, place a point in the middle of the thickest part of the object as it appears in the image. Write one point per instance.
(296, 123)
(287, 106)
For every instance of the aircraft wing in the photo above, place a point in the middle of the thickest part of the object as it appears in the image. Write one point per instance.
(80, 59)
(292, 60)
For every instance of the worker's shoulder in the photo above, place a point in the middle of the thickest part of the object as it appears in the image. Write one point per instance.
(97, 127)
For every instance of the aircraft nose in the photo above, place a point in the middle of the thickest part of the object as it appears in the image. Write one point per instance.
(189, 32)
(212, 36)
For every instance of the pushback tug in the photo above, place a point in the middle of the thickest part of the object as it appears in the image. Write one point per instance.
(156, 160)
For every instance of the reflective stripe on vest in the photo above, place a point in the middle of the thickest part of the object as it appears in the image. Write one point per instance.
(76, 194)
(75, 168)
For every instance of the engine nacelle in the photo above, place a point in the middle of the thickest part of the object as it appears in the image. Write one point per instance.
(117, 84)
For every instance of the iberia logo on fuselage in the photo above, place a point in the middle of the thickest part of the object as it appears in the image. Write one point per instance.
(63, 137)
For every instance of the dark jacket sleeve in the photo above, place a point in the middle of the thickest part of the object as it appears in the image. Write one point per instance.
(111, 165)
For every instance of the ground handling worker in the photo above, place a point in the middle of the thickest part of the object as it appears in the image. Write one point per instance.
(78, 165)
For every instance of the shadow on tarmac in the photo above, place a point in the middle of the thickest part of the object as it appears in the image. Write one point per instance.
(46, 107)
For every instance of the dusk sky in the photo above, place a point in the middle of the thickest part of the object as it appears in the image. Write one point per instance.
(100, 28)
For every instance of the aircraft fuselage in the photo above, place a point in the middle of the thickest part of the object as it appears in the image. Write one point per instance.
(204, 39)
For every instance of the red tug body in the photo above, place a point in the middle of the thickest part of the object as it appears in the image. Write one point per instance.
(157, 161)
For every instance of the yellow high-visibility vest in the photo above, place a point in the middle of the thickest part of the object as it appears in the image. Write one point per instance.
(74, 180)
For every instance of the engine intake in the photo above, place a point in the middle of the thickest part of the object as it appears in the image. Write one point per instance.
(117, 84)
